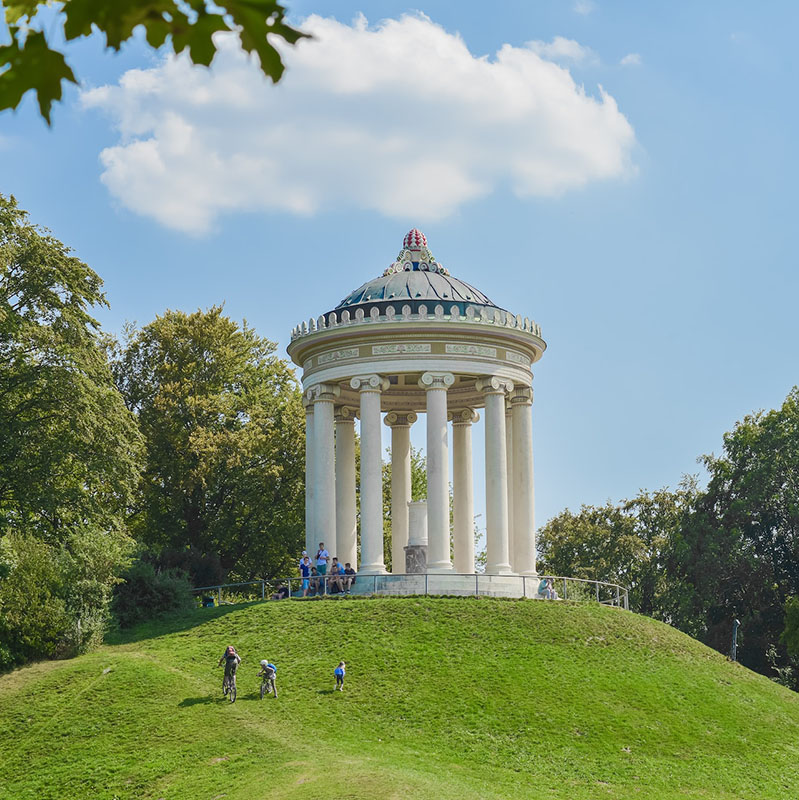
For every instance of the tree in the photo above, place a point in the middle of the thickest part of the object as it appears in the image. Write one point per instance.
(223, 422)
(626, 544)
(738, 553)
(69, 449)
(28, 62)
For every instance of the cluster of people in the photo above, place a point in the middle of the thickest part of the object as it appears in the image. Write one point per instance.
(546, 589)
(315, 579)
(268, 673)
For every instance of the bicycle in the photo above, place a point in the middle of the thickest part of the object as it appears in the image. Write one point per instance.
(229, 685)
(268, 685)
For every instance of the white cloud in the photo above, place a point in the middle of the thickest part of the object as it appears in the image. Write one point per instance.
(584, 7)
(561, 49)
(400, 119)
(631, 60)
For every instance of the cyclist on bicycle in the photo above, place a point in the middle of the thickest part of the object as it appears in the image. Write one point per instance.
(231, 659)
(268, 674)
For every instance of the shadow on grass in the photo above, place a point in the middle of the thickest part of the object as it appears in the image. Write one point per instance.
(197, 701)
(326, 691)
(164, 626)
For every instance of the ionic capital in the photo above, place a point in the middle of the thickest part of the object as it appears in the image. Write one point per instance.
(323, 393)
(345, 414)
(463, 416)
(400, 419)
(307, 404)
(436, 380)
(494, 385)
(522, 396)
(369, 383)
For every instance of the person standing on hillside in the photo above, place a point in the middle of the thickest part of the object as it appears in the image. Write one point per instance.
(340, 671)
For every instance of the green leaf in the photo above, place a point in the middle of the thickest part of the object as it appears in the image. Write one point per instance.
(32, 66)
(17, 10)
(117, 20)
(197, 38)
(257, 19)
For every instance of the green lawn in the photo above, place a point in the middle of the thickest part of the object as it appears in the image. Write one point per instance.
(445, 698)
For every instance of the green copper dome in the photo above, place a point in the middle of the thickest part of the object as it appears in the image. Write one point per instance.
(415, 279)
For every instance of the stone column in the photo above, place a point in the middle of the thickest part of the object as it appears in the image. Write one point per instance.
(400, 424)
(496, 469)
(370, 387)
(436, 385)
(310, 527)
(346, 547)
(463, 489)
(323, 396)
(509, 460)
(523, 488)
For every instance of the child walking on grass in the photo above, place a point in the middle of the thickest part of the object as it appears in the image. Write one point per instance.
(340, 671)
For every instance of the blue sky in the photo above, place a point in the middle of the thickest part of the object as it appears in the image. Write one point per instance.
(663, 271)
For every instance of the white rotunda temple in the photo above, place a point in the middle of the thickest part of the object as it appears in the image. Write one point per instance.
(418, 340)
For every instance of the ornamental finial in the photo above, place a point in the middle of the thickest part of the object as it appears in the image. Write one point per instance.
(415, 255)
(414, 240)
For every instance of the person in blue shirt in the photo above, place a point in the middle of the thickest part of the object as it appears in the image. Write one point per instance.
(268, 673)
(305, 571)
(340, 671)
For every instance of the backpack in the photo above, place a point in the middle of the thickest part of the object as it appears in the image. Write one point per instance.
(269, 673)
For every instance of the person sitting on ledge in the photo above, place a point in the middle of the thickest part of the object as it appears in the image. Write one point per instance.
(281, 592)
(348, 578)
(551, 594)
(542, 589)
(334, 582)
(316, 581)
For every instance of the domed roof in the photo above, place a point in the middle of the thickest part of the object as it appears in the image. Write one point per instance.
(414, 278)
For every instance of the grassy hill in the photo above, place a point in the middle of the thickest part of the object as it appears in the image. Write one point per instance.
(445, 698)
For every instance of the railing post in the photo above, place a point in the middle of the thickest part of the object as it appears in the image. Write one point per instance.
(597, 591)
(617, 597)
(425, 584)
(263, 590)
(564, 588)
(374, 584)
(524, 587)
(288, 586)
(219, 595)
(476, 585)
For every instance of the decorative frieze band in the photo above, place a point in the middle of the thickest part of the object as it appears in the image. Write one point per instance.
(389, 349)
(517, 358)
(338, 355)
(471, 350)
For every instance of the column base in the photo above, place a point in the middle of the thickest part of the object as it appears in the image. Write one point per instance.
(440, 566)
(530, 573)
(372, 569)
(499, 569)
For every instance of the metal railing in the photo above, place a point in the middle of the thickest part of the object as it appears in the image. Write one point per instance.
(432, 583)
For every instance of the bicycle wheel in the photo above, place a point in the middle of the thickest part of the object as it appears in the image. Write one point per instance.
(233, 690)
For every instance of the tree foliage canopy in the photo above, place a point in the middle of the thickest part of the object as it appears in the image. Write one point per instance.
(223, 422)
(69, 449)
(28, 62)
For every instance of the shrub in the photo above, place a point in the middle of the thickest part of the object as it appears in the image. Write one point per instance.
(146, 593)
